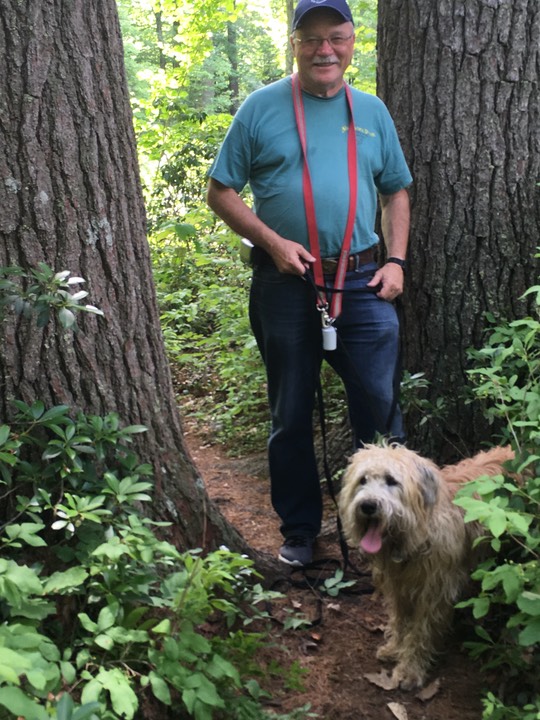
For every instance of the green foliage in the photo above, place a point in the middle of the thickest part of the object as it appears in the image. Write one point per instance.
(335, 584)
(99, 617)
(189, 67)
(507, 376)
(43, 291)
(203, 294)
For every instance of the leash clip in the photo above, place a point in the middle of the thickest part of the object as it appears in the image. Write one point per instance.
(329, 334)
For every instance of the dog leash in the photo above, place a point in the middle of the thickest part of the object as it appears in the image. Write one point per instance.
(322, 420)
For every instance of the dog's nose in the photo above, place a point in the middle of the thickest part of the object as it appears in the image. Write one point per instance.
(368, 508)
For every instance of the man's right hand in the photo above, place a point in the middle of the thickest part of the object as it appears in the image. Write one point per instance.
(290, 257)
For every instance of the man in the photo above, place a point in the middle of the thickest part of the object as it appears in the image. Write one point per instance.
(316, 155)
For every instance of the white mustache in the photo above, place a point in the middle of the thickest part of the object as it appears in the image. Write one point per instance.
(326, 61)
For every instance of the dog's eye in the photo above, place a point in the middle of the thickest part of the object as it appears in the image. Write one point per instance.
(362, 481)
(390, 481)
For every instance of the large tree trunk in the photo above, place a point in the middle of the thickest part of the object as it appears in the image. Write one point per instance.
(70, 196)
(461, 80)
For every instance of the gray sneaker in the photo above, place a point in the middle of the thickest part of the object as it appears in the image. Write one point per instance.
(297, 550)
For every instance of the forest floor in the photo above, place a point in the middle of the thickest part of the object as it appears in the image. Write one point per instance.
(341, 678)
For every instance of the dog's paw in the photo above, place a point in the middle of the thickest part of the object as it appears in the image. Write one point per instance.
(408, 676)
(387, 652)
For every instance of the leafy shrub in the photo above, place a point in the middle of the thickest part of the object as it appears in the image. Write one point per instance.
(99, 617)
(507, 376)
(42, 291)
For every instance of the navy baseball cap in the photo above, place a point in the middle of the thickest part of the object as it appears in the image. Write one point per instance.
(304, 6)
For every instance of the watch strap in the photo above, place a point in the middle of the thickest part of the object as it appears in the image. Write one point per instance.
(398, 261)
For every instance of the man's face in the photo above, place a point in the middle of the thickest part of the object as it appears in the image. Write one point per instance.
(326, 52)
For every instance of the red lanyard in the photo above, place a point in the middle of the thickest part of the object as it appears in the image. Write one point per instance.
(339, 280)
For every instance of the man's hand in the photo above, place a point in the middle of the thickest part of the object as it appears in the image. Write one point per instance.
(291, 257)
(391, 279)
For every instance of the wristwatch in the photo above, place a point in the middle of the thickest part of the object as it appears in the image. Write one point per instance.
(397, 261)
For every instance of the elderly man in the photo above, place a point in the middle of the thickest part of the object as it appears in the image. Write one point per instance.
(318, 155)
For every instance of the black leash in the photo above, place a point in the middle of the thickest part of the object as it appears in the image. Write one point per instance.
(313, 577)
(322, 415)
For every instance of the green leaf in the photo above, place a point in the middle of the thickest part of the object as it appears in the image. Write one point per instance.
(134, 429)
(21, 580)
(124, 700)
(66, 580)
(529, 602)
(14, 700)
(113, 550)
(480, 607)
(219, 668)
(104, 641)
(9, 675)
(163, 627)
(64, 707)
(37, 679)
(27, 532)
(160, 688)
(205, 690)
(69, 673)
(4, 433)
(88, 710)
(37, 409)
(496, 522)
(530, 635)
(14, 662)
(55, 412)
(66, 318)
(89, 625)
(107, 616)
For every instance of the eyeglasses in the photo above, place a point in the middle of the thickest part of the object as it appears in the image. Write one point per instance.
(314, 43)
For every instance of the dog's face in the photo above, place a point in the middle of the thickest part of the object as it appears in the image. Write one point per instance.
(386, 498)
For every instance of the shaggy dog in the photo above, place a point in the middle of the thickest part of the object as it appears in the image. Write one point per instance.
(397, 506)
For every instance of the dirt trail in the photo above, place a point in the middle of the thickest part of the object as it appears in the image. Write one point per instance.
(340, 651)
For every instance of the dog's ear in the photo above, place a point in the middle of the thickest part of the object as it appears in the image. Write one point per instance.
(429, 484)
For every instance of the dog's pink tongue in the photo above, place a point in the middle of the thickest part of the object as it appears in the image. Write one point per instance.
(372, 540)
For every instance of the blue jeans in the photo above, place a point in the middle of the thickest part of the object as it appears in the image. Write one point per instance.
(287, 328)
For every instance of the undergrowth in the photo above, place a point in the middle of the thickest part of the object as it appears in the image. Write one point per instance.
(100, 618)
(507, 606)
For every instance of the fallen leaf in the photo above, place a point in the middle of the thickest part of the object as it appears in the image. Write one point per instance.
(398, 711)
(382, 680)
(336, 607)
(429, 691)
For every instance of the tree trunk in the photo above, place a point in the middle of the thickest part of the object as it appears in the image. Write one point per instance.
(461, 81)
(70, 196)
(232, 52)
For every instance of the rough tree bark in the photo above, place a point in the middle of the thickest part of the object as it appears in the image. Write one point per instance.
(461, 78)
(70, 196)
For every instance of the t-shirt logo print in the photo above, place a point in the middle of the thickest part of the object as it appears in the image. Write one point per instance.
(318, 2)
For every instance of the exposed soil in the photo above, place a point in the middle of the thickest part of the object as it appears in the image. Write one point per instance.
(343, 678)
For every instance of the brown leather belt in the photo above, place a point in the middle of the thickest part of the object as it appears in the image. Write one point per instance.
(329, 265)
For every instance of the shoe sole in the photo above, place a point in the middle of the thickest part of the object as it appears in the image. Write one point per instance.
(292, 563)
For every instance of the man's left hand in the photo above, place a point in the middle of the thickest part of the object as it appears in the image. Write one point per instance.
(391, 279)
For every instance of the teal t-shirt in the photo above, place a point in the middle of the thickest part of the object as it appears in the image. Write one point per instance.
(262, 148)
